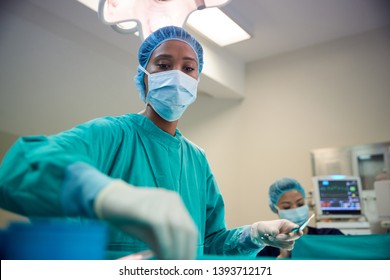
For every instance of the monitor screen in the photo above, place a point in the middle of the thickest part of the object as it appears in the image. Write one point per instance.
(338, 196)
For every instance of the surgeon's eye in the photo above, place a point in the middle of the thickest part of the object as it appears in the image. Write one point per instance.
(163, 66)
(188, 69)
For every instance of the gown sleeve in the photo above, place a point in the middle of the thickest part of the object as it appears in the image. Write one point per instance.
(219, 240)
(39, 173)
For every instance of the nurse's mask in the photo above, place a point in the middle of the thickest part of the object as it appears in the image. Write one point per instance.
(170, 93)
(296, 215)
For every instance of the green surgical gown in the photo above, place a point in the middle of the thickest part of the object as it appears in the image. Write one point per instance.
(129, 147)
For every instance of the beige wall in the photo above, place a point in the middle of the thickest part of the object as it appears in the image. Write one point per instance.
(331, 95)
(6, 140)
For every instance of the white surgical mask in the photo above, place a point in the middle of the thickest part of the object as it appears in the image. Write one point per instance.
(296, 215)
(170, 93)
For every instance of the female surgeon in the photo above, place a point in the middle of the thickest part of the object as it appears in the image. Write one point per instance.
(287, 199)
(137, 171)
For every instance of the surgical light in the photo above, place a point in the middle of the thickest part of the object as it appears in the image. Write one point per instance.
(146, 16)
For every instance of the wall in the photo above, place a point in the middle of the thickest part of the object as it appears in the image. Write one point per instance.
(331, 95)
(6, 140)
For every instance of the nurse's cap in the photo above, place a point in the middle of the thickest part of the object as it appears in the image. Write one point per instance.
(279, 187)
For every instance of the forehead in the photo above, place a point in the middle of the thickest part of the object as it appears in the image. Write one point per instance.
(290, 196)
(175, 48)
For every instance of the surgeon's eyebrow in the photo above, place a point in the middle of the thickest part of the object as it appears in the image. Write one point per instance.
(169, 56)
(162, 56)
(190, 58)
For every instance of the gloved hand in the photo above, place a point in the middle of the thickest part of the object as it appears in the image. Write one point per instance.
(276, 233)
(156, 216)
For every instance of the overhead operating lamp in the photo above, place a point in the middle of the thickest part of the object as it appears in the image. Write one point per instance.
(146, 16)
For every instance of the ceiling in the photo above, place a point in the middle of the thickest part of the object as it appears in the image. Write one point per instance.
(276, 26)
(280, 26)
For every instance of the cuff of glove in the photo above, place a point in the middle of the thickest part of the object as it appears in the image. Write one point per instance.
(257, 237)
(117, 187)
(82, 182)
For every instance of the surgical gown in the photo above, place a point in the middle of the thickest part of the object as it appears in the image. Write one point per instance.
(129, 147)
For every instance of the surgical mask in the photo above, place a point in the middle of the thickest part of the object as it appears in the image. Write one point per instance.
(170, 93)
(296, 215)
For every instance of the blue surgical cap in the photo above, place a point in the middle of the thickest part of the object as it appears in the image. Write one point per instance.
(278, 188)
(156, 39)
